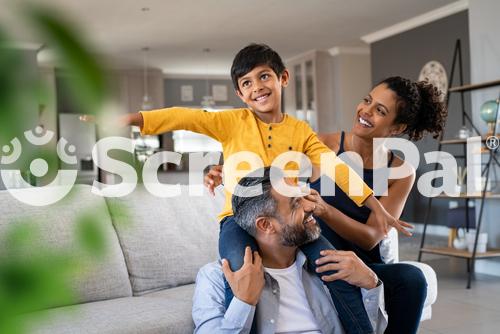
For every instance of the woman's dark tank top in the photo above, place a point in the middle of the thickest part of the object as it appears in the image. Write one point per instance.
(344, 204)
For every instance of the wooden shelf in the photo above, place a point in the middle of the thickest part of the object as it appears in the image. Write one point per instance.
(466, 88)
(448, 251)
(457, 141)
(489, 195)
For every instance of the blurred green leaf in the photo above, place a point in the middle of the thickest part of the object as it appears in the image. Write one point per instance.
(87, 85)
(90, 235)
(16, 92)
(32, 276)
(35, 275)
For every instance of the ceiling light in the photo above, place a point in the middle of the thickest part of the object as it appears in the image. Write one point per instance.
(207, 101)
(146, 101)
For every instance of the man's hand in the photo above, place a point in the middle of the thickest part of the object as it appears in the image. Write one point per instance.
(213, 178)
(248, 282)
(349, 268)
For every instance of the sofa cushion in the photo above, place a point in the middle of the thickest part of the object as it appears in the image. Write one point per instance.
(166, 240)
(97, 278)
(168, 311)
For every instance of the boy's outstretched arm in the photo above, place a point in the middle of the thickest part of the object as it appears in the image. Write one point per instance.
(133, 119)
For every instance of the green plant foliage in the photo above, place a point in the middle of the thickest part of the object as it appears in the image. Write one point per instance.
(91, 235)
(34, 275)
(16, 92)
(87, 85)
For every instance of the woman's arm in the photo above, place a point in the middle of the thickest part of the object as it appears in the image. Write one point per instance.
(370, 234)
(394, 202)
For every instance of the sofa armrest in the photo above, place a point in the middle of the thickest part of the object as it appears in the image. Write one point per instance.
(432, 287)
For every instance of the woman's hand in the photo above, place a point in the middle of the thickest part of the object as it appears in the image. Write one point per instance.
(213, 178)
(385, 221)
(321, 206)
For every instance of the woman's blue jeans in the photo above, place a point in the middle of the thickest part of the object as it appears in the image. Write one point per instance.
(405, 287)
(405, 290)
(347, 298)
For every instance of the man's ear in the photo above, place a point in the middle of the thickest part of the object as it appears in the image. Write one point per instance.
(263, 225)
(285, 77)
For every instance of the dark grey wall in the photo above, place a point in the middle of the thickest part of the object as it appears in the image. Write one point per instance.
(405, 54)
(173, 92)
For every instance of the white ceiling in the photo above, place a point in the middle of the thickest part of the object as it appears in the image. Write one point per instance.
(178, 31)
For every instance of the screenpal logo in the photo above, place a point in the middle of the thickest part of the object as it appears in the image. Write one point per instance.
(32, 195)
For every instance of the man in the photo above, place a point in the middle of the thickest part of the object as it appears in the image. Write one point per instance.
(290, 299)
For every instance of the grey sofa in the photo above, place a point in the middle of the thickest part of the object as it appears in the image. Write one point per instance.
(145, 282)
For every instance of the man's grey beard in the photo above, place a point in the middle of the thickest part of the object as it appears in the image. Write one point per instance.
(296, 235)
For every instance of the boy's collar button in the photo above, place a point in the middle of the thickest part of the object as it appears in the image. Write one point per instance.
(270, 128)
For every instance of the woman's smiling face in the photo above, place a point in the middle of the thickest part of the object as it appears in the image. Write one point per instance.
(376, 113)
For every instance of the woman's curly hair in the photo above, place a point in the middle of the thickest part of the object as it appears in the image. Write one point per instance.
(420, 107)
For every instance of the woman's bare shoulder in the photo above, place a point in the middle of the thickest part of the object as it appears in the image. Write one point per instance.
(397, 162)
(332, 140)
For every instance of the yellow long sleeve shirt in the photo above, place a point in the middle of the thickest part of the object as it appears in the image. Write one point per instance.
(240, 130)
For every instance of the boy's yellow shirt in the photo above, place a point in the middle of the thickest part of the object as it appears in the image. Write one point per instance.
(240, 130)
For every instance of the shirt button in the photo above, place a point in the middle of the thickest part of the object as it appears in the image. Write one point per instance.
(270, 128)
(289, 148)
(268, 145)
(269, 137)
(275, 291)
(271, 321)
(367, 300)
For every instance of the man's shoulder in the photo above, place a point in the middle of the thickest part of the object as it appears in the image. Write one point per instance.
(211, 272)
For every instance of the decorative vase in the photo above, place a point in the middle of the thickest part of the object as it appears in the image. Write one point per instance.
(488, 112)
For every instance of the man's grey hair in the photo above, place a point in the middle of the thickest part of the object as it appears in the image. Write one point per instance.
(248, 208)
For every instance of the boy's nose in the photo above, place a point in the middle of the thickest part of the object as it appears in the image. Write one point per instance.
(257, 87)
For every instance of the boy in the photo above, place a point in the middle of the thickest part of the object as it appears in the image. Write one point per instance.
(258, 76)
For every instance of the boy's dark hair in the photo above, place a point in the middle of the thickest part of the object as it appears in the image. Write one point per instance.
(254, 55)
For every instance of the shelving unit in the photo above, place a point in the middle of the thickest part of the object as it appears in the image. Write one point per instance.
(483, 195)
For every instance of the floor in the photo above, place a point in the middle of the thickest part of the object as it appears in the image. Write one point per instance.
(457, 310)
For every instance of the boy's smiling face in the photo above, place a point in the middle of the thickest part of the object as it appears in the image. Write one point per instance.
(260, 89)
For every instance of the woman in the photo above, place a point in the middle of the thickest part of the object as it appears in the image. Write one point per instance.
(396, 106)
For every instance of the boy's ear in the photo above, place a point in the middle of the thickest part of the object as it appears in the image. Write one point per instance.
(239, 94)
(285, 77)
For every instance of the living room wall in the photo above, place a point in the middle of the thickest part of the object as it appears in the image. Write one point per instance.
(485, 66)
(405, 54)
(173, 92)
